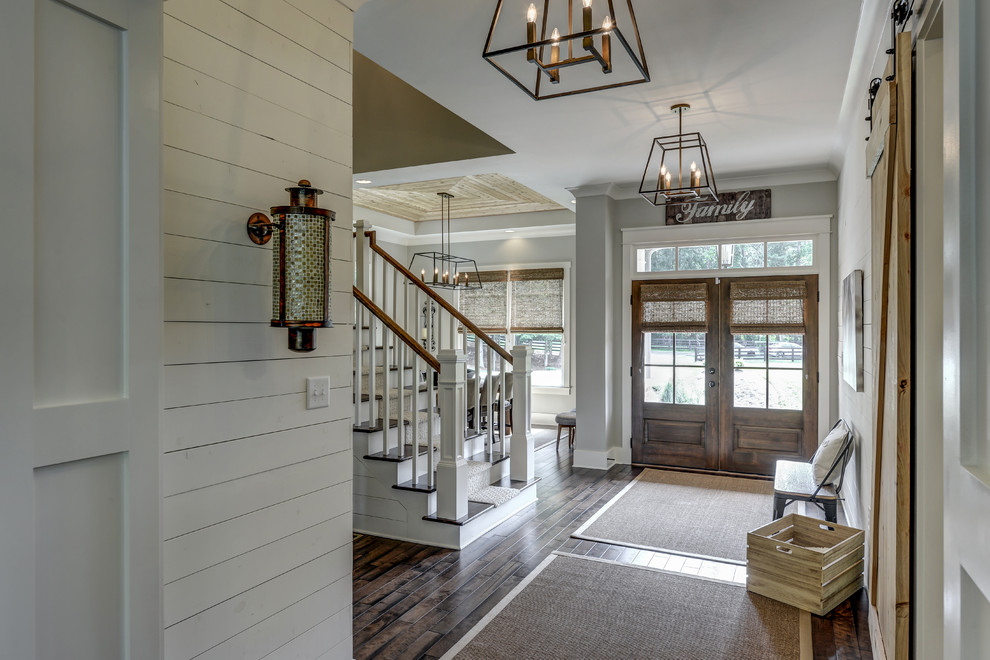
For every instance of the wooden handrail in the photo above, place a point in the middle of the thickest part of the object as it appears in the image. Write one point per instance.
(453, 311)
(395, 328)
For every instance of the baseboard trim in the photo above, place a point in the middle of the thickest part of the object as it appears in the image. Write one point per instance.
(594, 460)
(621, 455)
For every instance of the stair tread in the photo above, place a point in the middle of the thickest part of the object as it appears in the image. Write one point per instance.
(475, 509)
(491, 459)
(419, 485)
(392, 455)
(495, 495)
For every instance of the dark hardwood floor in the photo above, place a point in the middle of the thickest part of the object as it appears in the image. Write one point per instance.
(415, 601)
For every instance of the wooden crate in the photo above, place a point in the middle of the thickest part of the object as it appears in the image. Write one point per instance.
(811, 564)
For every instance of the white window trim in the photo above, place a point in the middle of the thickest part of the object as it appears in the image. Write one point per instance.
(817, 228)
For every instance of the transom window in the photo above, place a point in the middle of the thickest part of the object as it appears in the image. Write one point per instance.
(725, 256)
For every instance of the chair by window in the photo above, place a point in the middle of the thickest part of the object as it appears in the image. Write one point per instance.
(819, 480)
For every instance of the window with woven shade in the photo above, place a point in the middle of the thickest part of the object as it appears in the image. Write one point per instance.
(767, 307)
(674, 307)
(488, 307)
(537, 300)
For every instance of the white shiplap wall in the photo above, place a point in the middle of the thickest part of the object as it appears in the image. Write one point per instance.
(257, 489)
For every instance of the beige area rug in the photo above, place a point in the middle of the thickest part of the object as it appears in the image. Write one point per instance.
(578, 607)
(684, 513)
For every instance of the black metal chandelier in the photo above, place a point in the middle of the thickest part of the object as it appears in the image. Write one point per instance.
(667, 179)
(537, 65)
(443, 270)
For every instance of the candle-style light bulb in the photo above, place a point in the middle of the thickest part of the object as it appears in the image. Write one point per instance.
(422, 275)
(607, 46)
(664, 177)
(695, 175)
(555, 55)
(531, 32)
(436, 274)
(588, 42)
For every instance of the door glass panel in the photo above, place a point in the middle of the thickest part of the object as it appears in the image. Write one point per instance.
(742, 255)
(749, 350)
(689, 385)
(784, 391)
(699, 257)
(768, 371)
(750, 388)
(658, 384)
(786, 351)
(660, 348)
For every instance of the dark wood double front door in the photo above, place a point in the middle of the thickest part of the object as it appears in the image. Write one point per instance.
(725, 372)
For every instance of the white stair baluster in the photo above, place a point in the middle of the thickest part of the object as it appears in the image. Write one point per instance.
(358, 360)
(490, 433)
(385, 386)
(501, 404)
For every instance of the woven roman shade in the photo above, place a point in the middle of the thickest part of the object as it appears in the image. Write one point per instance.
(769, 307)
(537, 300)
(488, 307)
(674, 307)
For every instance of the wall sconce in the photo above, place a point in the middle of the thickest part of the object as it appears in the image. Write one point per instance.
(300, 264)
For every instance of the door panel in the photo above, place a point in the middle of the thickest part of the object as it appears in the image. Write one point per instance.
(79, 391)
(725, 400)
(673, 402)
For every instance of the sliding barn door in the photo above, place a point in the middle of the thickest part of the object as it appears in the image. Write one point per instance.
(81, 325)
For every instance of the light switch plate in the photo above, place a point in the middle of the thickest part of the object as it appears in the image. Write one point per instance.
(317, 392)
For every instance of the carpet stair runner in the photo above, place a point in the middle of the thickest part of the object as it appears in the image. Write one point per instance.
(480, 488)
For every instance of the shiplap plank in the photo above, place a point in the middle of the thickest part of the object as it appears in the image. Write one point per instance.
(327, 634)
(288, 21)
(225, 302)
(296, 621)
(196, 133)
(183, 471)
(198, 175)
(197, 384)
(281, 121)
(331, 14)
(201, 52)
(187, 512)
(198, 259)
(199, 217)
(207, 547)
(197, 426)
(187, 343)
(201, 591)
(198, 634)
(344, 650)
(258, 41)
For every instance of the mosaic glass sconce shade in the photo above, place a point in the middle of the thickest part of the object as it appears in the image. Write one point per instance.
(301, 240)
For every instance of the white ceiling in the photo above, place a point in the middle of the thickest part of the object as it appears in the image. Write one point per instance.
(765, 79)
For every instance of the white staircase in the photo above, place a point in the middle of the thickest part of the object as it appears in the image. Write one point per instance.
(462, 479)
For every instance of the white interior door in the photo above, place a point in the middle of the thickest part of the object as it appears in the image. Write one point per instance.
(966, 329)
(81, 324)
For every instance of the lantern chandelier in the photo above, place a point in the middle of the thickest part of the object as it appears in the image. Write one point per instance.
(667, 179)
(537, 65)
(443, 270)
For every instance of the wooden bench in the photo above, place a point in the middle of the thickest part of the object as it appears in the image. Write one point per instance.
(795, 481)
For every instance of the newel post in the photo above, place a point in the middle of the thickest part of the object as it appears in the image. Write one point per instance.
(452, 486)
(362, 257)
(521, 461)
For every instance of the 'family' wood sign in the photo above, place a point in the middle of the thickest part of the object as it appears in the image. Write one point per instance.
(731, 206)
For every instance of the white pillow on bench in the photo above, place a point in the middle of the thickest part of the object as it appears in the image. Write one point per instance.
(827, 452)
